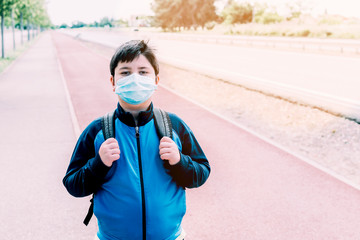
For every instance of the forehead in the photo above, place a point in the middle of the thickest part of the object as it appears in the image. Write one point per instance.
(138, 62)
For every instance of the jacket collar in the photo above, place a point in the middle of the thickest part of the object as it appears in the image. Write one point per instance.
(127, 118)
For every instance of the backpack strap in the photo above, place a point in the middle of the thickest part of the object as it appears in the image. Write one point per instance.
(90, 211)
(108, 128)
(162, 123)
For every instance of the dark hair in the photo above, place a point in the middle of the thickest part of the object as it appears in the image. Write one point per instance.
(130, 50)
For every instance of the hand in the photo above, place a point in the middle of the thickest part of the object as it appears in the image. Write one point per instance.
(109, 151)
(168, 150)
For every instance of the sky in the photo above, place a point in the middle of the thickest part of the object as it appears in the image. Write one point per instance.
(88, 11)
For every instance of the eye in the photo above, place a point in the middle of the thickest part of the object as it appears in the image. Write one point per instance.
(125, 73)
(143, 72)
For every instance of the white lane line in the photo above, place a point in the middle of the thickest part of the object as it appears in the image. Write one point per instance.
(74, 119)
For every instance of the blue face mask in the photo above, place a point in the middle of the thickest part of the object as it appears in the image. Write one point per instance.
(135, 89)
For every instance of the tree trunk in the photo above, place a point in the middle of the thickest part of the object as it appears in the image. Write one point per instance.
(28, 29)
(13, 28)
(21, 28)
(2, 30)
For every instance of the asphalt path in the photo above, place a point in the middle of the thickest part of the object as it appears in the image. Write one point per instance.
(298, 76)
(255, 191)
(37, 139)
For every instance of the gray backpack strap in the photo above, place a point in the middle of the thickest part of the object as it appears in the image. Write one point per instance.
(162, 123)
(107, 124)
(108, 128)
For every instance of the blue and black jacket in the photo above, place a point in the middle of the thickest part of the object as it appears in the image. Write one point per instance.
(140, 196)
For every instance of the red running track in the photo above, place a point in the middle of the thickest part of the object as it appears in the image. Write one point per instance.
(255, 191)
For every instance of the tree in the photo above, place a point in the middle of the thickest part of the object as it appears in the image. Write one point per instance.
(237, 13)
(13, 27)
(78, 24)
(298, 8)
(5, 8)
(264, 15)
(172, 14)
(40, 16)
(64, 25)
(105, 21)
(166, 13)
(25, 8)
(205, 12)
(33, 11)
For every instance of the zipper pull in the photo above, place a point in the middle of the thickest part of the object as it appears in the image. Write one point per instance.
(137, 133)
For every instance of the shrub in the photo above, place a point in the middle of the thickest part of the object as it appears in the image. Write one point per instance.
(304, 33)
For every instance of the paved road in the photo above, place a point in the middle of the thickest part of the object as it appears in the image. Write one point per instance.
(255, 191)
(299, 76)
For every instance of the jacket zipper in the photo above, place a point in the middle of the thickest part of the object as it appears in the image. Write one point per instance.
(137, 134)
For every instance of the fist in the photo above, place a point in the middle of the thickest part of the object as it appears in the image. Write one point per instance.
(168, 150)
(109, 151)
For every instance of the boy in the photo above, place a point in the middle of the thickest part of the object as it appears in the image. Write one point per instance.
(138, 179)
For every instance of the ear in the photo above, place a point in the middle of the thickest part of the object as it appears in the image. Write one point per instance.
(157, 79)
(112, 82)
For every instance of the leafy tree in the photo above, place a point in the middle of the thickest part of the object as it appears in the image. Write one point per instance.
(165, 13)
(205, 12)
(172, 14)
(266, 15)
(237, 13)
(40, 15)
(33, 11)
(64, 25)
(26, 9)
(5, 9)
(105, 21)
(78, 24)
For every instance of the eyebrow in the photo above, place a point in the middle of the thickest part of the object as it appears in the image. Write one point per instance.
(126, 68)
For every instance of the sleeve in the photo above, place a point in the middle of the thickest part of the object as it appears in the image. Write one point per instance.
(193, 169)
(86, 171)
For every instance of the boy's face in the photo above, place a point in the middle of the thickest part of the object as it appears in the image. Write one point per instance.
(140, 66)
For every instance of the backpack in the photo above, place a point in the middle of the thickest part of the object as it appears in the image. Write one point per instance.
(163, 129)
